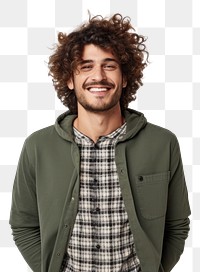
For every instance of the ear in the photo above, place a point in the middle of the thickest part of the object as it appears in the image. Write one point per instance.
(70, 84)
(124, 82)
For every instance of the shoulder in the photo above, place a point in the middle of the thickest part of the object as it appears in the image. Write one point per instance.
(41, 133)
(41, 137)
(160, 134)
(153, 128)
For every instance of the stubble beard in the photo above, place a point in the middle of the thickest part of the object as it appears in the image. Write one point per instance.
(100, 106)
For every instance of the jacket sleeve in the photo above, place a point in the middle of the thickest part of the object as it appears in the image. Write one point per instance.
(178, 210)
(24, 219)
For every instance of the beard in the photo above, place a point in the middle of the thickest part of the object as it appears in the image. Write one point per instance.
(100, 105)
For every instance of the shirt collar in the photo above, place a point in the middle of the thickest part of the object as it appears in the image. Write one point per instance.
(119, 132)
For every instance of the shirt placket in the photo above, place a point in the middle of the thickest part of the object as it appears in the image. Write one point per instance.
(95, 207)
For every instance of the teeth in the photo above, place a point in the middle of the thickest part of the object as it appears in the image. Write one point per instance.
(98, 89)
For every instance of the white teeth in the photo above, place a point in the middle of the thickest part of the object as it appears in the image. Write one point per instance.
(98, 89)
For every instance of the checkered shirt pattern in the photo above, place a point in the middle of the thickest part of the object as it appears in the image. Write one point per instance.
(101, 239)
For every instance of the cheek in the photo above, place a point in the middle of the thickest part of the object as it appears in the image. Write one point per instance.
(120, 81)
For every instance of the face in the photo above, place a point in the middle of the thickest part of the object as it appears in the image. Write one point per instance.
(98, 80)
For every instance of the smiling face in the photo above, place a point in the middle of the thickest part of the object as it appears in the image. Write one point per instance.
(97, 81)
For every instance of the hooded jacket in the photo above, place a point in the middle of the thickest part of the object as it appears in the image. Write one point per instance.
(46, 193)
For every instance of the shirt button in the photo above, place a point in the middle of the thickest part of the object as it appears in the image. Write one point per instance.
(97, 209)
(72, 198)
(95, 181)
(96, 146)
(140, 178)
(98, 246)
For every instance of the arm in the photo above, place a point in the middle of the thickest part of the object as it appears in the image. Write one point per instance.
(175, 235)
(24, 218)
(178, 210)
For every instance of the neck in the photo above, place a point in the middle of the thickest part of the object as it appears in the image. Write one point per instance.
(94, 125)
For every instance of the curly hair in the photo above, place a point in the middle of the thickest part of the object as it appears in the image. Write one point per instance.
(115, 34)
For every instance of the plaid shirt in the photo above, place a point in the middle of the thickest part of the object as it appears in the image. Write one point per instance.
(101, 239)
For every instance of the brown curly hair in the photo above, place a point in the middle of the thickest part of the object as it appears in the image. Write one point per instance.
(115, 34)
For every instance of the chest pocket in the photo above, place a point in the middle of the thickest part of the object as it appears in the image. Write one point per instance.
(152, 193)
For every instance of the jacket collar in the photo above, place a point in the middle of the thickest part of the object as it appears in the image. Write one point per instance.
(135, 120)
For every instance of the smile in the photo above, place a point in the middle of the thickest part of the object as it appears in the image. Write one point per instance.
(98, 89)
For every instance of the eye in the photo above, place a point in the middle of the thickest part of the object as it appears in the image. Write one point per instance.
(86, 67)
(110, 67)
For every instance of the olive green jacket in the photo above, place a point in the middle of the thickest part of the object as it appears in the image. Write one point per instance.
(46, 193)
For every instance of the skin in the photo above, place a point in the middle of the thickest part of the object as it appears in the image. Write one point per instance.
(98, 83)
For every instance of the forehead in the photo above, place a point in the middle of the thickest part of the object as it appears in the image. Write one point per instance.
(95, 53)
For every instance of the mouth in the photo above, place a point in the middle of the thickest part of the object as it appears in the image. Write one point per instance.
(98, 89)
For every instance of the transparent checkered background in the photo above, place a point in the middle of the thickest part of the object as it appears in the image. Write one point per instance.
(170, 96)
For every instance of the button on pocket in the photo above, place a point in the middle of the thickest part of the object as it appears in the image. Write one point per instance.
(152, 191)
(140, 178)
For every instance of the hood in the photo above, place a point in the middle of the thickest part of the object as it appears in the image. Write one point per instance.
(63, 125)
(135, 120)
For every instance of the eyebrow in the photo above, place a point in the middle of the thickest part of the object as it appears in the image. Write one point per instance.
(91, 61)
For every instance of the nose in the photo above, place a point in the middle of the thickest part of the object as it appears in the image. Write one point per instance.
(98, 74)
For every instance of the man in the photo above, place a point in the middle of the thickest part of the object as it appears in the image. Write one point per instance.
(102, 189)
